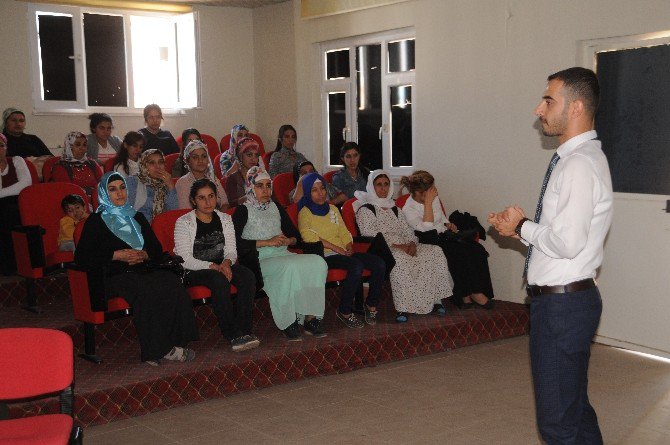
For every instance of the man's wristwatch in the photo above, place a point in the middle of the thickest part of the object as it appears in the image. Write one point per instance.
(517, 230)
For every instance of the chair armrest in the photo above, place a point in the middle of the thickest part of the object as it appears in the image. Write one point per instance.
(87, 288)
(28, 249)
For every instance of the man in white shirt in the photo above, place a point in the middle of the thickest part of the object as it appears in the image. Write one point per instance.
(565, 242)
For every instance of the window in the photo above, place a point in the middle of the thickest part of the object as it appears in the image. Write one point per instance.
(367, 88)
(86, 59)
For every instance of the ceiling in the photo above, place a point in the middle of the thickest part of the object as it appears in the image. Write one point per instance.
(234, 3)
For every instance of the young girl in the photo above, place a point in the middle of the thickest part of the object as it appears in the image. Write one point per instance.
(352, 177)
(285, 155)
(320, 221)
(126, 161)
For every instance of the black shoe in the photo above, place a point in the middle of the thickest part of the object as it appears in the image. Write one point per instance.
(313, 327)
(370, 317)
(293, 332)
(439, 309)
(351, 321)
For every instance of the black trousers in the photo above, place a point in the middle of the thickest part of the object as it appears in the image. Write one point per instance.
(162, 310)
(9, 217)
(234, 316)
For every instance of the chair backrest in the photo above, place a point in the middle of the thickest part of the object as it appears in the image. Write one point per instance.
(212, 146)
(328, 176)
(282, 185)
(34, 361)
(47, 167)
(217, 166)
(349, 216)
(33, 171)
(39, 205)
(401, 200)
(266, 159)
(225, 143)
(109, 164)
(94, 198)
(163, 227)
(170, 160)
(292, 211)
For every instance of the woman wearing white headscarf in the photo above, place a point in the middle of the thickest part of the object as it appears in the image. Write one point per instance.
(199, 166)
(75, 166)
(420, 278)
(295, 284)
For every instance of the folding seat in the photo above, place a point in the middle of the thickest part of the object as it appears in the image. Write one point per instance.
(170, 161)
(217, 166)
(266, 159)
(328, 176)
(282, 185)
(37, 363)
(361, 243)
(35, 241)
(109, 165)
(47, 167)
(33, 171)
(212, 146)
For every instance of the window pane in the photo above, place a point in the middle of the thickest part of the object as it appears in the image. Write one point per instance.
(57, 57)
(401, 126)
(337, 64)
(105, 60)
(369, 109)
(337, 121)
(154, 61)
(187, 61)
(401, 56)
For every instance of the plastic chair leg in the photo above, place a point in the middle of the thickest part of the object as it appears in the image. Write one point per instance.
(31, 297)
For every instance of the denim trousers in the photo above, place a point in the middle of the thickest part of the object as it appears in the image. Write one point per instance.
(562, 327)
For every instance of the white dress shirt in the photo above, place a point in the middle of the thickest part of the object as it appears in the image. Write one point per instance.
(413, 212)
(576, 215)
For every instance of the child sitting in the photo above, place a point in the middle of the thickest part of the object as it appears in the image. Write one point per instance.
(75, 210)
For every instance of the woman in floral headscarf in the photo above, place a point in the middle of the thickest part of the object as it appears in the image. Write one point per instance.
(152, 191)
(75, 166)
(118, 241)
(199, 166)
(295, 284)
(248, 156)
(228, 161)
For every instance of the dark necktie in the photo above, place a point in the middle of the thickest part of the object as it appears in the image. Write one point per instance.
(538, 210)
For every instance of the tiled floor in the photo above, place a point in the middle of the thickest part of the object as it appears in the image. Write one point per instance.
(474, 395)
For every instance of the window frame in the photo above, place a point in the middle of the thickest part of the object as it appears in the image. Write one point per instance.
(349, 85)
(80, 106)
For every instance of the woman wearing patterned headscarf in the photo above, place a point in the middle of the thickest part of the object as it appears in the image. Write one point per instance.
(18, 142)
(75, 166)
(117, 241)
(295, 284)
(199, 166)
(152, 191)
(320, 221)
(420, 279)
(228, 161)
(248, 156)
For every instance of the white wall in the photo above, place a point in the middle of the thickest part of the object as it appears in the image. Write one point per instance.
(481, 70)
(227, 71)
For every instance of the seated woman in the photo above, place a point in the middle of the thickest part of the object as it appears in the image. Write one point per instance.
(320, 221)
(248, 156)
(285, 156)
(20, 143)
(127, 160)
(102, 145)
(179, 168)
(299, 171)
(420, 278)
(15, 176)
(467, 258)
(352, 176)
(152, 191)
(155, 136)
(205, 239)
(74, 166)
(295, 284)
(119, 241)
(199, 166)
(228, 160)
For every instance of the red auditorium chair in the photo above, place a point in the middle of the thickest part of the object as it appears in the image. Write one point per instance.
(35, 241)
(170, 161)
(109, 165)
(328, 176)
(33, 171)
(212, 146)
(47, 167)
(37, 363)
(282, 185)
(361, 243)
(217, 166)
(225, 143)
(266, 159)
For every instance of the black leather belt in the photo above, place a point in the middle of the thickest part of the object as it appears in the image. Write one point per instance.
(575, 286)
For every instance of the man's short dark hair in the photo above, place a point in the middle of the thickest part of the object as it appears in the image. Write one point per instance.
(580, 83)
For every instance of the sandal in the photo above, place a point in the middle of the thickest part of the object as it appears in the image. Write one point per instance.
(180, 354)
(401, 317)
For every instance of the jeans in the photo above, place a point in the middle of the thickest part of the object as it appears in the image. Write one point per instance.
(234, 317)
(562, 327)
(354, 266)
